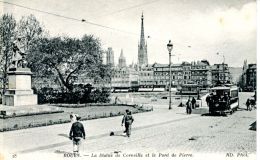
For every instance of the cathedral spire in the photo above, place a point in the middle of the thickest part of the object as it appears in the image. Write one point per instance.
(142, 39)
(142, 46)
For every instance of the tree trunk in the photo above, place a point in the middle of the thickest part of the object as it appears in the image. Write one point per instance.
(5, 72)
(65, 84)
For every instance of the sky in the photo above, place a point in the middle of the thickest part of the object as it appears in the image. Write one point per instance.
(198, 29)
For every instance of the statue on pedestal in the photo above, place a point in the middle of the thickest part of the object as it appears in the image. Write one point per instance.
(19, 92)
(18, 58)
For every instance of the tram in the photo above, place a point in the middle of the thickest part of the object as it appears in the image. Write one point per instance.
(223, 99)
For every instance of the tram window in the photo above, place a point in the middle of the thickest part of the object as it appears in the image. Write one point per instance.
(234, 93)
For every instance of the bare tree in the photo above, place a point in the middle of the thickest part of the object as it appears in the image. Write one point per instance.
(8, 34)
(29, 30)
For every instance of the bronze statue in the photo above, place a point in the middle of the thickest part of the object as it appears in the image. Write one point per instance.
(18, 58)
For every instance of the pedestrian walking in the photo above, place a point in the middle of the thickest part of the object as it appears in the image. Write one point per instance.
(252, 103)
(210, 104)
(128, 119)
(77, 132)
(193, 102)
(248, 105)
(226, 100)
(209, 98)
(116, 99)
(188, 107)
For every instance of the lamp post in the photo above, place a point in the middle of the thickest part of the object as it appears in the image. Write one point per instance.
(169, 47)
(198, 89)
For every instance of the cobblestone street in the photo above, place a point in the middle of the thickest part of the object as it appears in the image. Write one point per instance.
(161, 131)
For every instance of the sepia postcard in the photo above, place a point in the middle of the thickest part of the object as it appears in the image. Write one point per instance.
(128, 79)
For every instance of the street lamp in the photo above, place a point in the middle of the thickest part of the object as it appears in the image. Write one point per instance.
(169, 47)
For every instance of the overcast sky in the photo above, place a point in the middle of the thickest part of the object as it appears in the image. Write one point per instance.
(198, 28)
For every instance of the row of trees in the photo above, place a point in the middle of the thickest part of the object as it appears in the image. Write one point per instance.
(63, 58)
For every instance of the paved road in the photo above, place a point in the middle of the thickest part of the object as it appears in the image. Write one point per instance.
(160, 131)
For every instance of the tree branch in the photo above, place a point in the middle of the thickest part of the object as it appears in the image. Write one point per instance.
(76, 69)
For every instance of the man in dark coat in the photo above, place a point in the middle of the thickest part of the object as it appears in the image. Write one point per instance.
(226, 100)
(128, 120)
(77, 132)
(248, 107)
(193, 102)
(188, 106)
(209, 98)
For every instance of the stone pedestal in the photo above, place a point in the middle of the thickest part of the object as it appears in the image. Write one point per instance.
(19, 92)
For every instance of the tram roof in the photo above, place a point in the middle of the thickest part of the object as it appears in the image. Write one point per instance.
(224, 87)
(220, 88)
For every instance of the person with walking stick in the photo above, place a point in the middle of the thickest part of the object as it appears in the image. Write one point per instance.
(127, 120)
(77, 132)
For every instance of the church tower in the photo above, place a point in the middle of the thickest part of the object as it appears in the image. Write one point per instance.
(142, 47)
(121, 61)
(110, 56)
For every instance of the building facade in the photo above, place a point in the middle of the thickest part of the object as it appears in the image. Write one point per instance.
(251, 77)
(220, 74)
(161, 75)
(146, 77)
(124, 78)
(201, 73)
(248, 77)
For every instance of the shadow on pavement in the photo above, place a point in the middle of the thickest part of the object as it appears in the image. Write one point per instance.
(120, 135)
(182, 113)
(214, 114)
(117, 134)
(253, 126)
(241, 109)
(63, 135)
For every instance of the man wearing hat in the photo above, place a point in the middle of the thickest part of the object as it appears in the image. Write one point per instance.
(226, 100)
(127, 120)
(77, 132)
